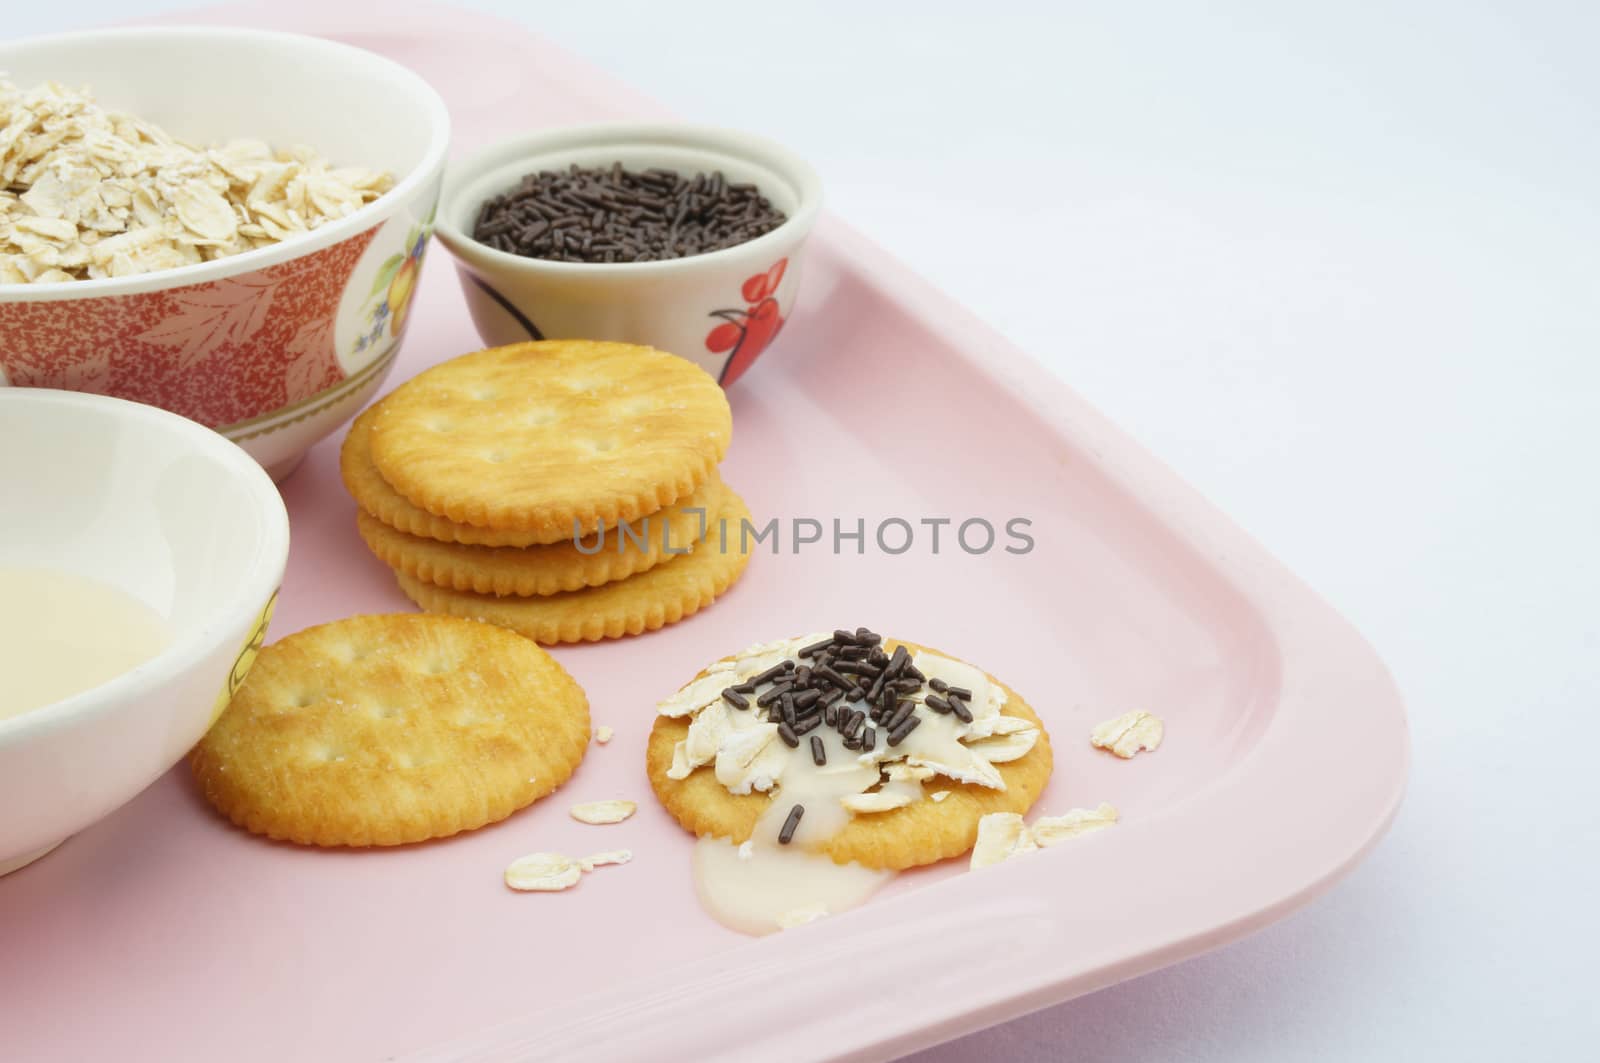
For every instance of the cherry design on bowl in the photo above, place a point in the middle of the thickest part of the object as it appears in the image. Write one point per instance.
(744, 334)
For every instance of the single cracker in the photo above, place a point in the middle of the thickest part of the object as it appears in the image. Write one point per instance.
(923, 832)
(375, 497)
(383, 730)
(536, 436)
(667, 593)
(540, 570)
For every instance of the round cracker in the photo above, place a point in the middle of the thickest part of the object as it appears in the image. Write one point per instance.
(375, 497)
(922, 832)
(542, 570)
(678, 587)
(383, 730)
(536, 436)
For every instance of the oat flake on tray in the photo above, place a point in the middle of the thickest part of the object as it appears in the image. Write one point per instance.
(87, 193)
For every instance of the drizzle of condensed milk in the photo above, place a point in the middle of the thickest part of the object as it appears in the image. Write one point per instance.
(754, 887)
(62, 633)
(751, 888)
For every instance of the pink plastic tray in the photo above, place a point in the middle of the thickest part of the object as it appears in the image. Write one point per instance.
(163, 933)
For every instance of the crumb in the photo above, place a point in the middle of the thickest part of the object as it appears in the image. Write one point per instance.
(1128, 734)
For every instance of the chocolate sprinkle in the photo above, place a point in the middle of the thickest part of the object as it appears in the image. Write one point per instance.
(826, 672)
(786, 835)
(848, 667)
(903, 710)
(774, 692)
(774, 672)
(898, 735)
(613, 214)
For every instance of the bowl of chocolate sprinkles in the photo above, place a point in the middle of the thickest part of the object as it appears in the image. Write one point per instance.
(684, 238)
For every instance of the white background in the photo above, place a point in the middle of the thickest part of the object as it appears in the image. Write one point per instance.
(1339, 264)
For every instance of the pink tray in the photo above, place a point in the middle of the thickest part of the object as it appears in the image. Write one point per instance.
(164, 933)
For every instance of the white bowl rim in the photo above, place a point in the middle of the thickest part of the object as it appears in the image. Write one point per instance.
(438, 118)
(253, 588)
(759, 150)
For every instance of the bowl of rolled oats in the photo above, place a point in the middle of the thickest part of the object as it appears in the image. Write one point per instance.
(225, 223)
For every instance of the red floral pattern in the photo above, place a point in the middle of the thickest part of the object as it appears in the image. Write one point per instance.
(745, 333)
(219, 353)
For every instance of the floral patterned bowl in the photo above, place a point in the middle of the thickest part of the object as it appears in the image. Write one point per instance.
(720, 310)
(275, 347)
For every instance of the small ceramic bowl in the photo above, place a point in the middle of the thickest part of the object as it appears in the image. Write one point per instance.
(275, 347)
(170, 513)
(720, 310)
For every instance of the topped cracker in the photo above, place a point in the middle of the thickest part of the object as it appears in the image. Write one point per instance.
(716, 784)
(538, 437)
(382, 730)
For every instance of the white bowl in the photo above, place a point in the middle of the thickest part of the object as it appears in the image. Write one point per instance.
(272, 347)
(170, 513)
(676, 305)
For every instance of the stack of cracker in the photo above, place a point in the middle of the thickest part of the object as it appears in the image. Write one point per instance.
(565, 489)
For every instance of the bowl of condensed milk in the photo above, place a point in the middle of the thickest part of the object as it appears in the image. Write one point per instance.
(140, 557)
